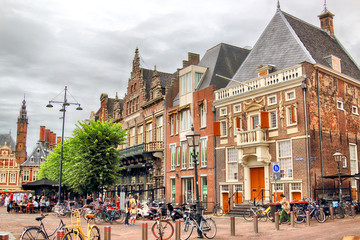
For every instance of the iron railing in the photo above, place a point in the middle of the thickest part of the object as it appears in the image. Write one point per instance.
(142, 148)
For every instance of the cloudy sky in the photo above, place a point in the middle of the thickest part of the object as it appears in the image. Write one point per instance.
(88, 45)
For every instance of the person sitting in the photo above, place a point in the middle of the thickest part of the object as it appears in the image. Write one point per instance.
(36, 205)
(30, 207)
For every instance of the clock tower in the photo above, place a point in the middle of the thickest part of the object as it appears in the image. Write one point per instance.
(22, 123)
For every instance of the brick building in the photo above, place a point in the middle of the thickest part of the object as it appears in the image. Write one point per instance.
(189, 102)
(30, 167)
(296, 104)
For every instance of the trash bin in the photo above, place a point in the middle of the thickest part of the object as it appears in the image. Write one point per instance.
(274, 207)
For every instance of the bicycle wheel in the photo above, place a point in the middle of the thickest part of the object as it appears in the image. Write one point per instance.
(32, 234)
(249, 216)
(299, 216)
(73, 235)
(320, 216)
(94, 233)
(99, 218)
(339, 212)
(119, 216)
(187, 230)
(270, 216)
(348, 211)
(208, 228)
(262, 216)
(164, 231)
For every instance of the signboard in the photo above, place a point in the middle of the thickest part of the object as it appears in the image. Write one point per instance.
(275, 167)
(277, 176)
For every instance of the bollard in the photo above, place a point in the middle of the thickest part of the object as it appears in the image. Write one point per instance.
(352, 211)
(145, 231)
(232, 226)
(292, 219)
(256, 227)
(107, 232)
(307, 218)
(4, 236)
(277, 221)
(331, 213)
(59, 234)
(322, 214)
(177, 229)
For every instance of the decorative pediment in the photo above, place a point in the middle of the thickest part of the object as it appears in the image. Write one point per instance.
(254, 105)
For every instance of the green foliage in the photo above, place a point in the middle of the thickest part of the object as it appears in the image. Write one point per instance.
(90, 158)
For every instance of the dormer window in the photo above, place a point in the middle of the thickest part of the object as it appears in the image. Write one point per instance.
(264, 70)
(334, 62)
(32, 159)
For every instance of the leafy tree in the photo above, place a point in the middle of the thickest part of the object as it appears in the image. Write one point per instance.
(90, 158)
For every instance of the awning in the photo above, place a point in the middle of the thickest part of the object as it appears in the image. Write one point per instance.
(335, 176)
(43, 183)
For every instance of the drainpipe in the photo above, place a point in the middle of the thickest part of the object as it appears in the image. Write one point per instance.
(320, 129)
(304, 87)
(215, 177)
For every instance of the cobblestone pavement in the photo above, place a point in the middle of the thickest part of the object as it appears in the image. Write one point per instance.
(14, 223)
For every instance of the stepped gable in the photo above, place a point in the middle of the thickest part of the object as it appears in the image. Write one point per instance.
(6, 138)
(165, 79)
(320, 45)
(287, 41)
(222, 59)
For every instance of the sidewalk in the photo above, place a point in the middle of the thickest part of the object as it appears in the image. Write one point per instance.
(336, 229)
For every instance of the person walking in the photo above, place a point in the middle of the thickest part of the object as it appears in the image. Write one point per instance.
(285, 205)
(127, 209)
(133, 211)
(42, 204)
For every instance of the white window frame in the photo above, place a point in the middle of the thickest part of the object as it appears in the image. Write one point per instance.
(340, 105)
(269, 100)
(26, 175)
(279, 187)
(290, 157)
(176, 124)
(183, 155)
(3, 177)
(178, 156)
(203, 157)
(185, 121)
(172, 120)
(354, 167)
(287, 95)
(223, 111)
(237, 110)
(12, 177)
(191, 161)
(35, 176)
(159, 128)
(270, 119)
(288, 115)
(355, 110)
(172, 148)
(232, 161)
(140, 134)
(344, 161)
(223, 131)
(202, 111)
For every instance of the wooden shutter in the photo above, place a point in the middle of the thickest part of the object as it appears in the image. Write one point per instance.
(264, 117)
(217, 129)
(238, 124)
(292, 110)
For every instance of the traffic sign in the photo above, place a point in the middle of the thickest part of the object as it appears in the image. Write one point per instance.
(276, 176)
(275, 167)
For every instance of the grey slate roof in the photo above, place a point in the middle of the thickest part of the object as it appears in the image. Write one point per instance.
(165, 79)
(38, 153)
(6, 138)
(223, 59)
(288, 41)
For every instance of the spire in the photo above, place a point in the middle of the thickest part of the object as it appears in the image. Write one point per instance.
(326, 21)
(278, 4)
(23, 113)
(136, 61)
(325, 9)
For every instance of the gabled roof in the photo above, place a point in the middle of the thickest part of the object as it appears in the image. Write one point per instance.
(165, 79)
(288, 41)
(34, 159)
(223, 59)
(6, 138)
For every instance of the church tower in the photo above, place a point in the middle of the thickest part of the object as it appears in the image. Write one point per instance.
(22, 123)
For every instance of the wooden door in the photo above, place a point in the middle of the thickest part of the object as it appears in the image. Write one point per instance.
(296, 196)
(278, 198)
(225, 199)
(257, 182)
(238, 198)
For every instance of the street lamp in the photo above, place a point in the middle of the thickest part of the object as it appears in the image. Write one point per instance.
(338, 156)
(193, 139)
(64, 104)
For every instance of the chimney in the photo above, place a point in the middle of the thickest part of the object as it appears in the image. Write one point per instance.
(42, 134)
(51, 140)
(193, 59)
(326, 22)
(47, 136)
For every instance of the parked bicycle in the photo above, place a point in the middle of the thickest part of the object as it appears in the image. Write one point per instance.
(39, 232)
(217, 210)
(108, 214)
(162, 229)
(74, 231)
(313, 208)
(207, 225)
(263, 213)
(342, 210)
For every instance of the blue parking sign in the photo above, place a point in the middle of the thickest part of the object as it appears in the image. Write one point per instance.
(275, 167)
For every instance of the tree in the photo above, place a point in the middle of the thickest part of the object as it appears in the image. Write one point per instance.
(90, 158)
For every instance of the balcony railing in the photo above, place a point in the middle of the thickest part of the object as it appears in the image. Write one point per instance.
(252, 136)
(270, 79)
(143, 148)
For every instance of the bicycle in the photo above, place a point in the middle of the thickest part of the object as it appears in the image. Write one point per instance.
(162, 229)
(207, 225)
(217, 210)
(313, 208)
(342, 210)
(75, 232)
(33, 232)
(262, 213)
(108, 214)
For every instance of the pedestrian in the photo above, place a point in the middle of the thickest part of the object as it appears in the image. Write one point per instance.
(7, 200)
(42, 204)
(127, 209)
(285, 205)
(133, 211)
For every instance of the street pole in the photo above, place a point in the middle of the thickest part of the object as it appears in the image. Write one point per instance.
(340, 191)
(198, 210)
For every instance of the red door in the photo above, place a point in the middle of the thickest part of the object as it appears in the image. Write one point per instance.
(257, 182)
(225, 199)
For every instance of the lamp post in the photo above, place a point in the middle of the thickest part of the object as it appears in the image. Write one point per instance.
(64, 104)
(193, 138)
(337, 156)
